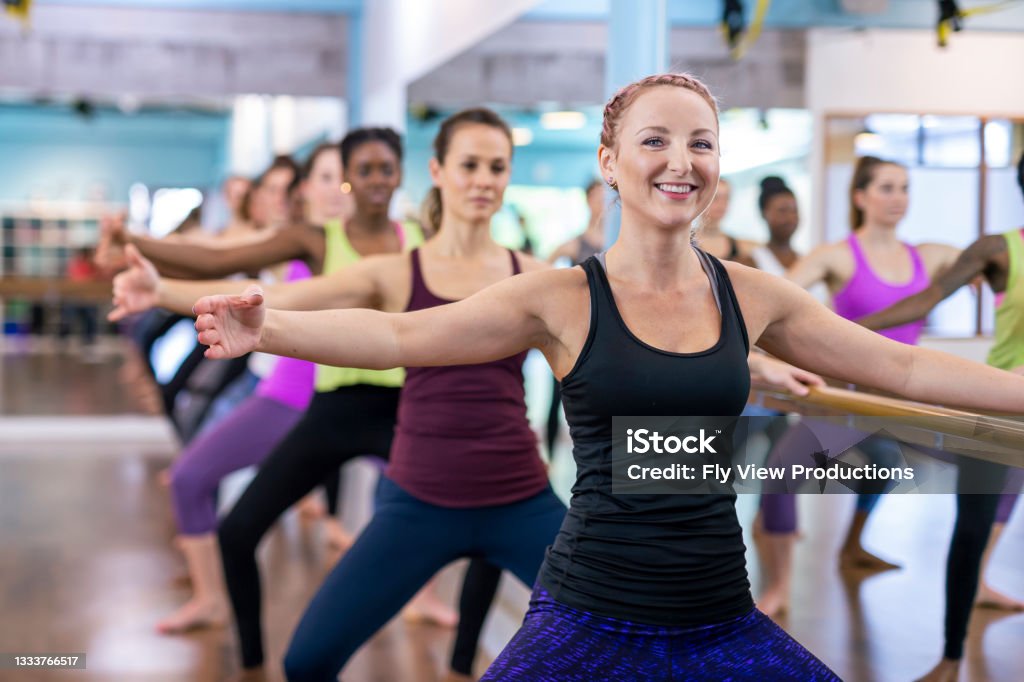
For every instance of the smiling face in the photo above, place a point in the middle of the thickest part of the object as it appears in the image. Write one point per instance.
(665, 157)
(885, 199)
(474, 173)
(374, 172)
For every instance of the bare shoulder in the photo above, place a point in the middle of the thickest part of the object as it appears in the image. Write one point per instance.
(553, 294)
(745, 278)
(832, 252)
(559, 299)
(937, 256)
(937, 248)
(938, 251)
(547, 281)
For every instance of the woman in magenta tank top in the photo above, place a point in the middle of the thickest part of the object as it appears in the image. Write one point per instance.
(866, 272)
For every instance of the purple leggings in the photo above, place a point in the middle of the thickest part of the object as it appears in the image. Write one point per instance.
(558, 642)
(1014, 482)
(778, 509)
(243, 438)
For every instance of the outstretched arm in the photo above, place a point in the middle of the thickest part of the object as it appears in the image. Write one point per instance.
(141, 287)
(220, 261)
(973, 261)
(801, 331)
(497, 322)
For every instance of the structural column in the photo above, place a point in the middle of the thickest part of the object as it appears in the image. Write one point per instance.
(637, 47)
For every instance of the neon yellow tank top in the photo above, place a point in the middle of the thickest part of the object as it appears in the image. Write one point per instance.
(338, 254)
(1008, 350)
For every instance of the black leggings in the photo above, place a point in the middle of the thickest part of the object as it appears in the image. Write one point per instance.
(338, 426)
(408, 541)
(975, 514)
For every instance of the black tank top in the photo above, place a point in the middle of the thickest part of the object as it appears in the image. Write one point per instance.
(673, 560)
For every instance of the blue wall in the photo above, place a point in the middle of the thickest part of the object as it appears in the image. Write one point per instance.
(51, 152)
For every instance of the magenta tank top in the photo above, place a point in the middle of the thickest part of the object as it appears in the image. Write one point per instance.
(865, 293)
(291, 381)
(462, 438)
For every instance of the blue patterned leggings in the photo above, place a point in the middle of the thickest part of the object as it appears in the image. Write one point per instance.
(559, 643)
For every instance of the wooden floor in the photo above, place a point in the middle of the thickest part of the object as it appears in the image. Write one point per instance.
(86, 564)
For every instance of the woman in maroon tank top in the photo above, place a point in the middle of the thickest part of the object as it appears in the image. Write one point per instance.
(465, 477)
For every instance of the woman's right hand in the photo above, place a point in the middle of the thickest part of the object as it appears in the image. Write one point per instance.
(230, 325)
(136, 289)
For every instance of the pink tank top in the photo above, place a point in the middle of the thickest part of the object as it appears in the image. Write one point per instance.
(291, 381)
(865, 293)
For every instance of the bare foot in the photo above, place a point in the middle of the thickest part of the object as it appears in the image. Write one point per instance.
(858, 558)
(945, 671)
(336, 536)
(425, 607)
(193, 616)
(311, 507)
(988, 598)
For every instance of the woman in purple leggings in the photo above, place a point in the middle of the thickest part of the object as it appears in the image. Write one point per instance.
(247, 435)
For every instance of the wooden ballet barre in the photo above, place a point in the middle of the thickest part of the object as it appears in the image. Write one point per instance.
(911, 422)
(45, 288)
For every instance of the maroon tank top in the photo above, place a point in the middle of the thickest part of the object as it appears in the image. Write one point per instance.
(462, 438)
